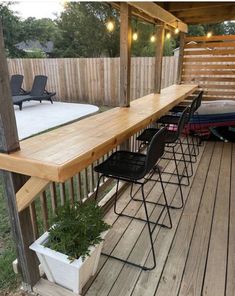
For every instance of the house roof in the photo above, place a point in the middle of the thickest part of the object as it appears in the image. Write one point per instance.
(31, 45)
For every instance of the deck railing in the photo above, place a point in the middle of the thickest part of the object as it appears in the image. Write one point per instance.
(80, 187)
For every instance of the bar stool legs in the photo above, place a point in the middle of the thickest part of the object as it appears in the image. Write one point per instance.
(147, 220)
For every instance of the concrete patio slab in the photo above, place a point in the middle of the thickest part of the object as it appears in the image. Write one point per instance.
(37, 117)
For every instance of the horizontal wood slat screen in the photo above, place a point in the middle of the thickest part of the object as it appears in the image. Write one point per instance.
(93, 80)
(210, 63)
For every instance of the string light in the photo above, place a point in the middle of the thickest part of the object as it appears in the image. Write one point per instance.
(135, 36)
(110, 25)
(177, 27)
(209, 34)
(168, 35)
(153, 38)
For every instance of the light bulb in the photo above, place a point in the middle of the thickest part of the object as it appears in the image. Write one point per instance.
(168, 35)
(177, 30)
(110, 26)
(209, 34)
(152, 38)
(135, 36)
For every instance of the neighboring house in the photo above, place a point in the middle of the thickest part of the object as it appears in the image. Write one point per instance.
(31, 45)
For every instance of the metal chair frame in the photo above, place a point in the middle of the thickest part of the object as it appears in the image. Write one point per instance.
(152, 170)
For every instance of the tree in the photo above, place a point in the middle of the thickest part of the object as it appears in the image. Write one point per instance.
(11, 29)
(42, 30)
(83, 31)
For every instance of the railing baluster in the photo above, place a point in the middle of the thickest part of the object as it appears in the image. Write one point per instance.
(62, 193)
(71, 190)
(33, 216)
(53, 196)
(44, 209)
(79, 188)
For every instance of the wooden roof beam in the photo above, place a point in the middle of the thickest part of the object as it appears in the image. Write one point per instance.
(207, 12)
(185, 6)
(155, 11)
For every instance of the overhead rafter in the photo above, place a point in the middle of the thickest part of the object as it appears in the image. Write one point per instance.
(201, 12)
(186, 6)
(146, 17)
(155, 11)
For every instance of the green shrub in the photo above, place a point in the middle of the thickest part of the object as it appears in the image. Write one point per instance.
(76, 228)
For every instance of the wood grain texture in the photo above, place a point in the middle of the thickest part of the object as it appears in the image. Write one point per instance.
(192, 280)
(202, 64)
(21, 226)
(160, 36)
(181, 56)
(125, 54)
(215, 276)
(230, 287)
(29, 191)
(91, 80)
(69, 149)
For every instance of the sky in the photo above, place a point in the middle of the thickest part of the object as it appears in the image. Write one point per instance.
(37, 8)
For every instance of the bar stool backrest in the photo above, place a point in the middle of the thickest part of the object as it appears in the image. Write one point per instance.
(184, 118)
(155, 149)
(199, 99)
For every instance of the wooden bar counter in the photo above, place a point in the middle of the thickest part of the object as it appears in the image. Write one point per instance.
(61, 153)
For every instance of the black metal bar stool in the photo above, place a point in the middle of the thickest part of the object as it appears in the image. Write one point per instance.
(172, 138)
(173, 117)
(195, 122)
(137, 168)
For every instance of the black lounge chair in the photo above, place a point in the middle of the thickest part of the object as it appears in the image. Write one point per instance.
(16, 85)
(37, 93)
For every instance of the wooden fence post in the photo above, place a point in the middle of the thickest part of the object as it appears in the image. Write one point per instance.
(125, 54)
(181, 57)
(160, 36)
(20, 223)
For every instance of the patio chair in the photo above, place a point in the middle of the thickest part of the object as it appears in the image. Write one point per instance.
(137, 168)
(16, 85)
(37, 93)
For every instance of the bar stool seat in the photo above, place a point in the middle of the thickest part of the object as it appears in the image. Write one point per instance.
(148, 134)
(124, 164)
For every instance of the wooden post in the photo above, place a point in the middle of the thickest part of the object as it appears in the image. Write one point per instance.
(20, 223)
(160, 36)
(125, 54)
(181, 57)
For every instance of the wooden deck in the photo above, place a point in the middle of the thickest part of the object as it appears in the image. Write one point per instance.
(197, 256)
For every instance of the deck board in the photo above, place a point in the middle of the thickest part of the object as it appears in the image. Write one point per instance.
(194, 270)
(215, 275)
(195, 257)
(230, 287)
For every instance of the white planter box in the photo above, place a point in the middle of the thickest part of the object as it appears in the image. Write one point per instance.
(58, 269)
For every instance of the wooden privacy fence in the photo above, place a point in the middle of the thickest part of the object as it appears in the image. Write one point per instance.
(93, 80)
(210, 62)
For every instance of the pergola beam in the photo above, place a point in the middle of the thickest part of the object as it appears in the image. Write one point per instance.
(157, 12)
(125, 54)
(186, 6)
(160, 34)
